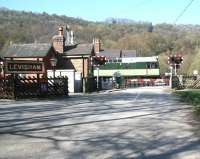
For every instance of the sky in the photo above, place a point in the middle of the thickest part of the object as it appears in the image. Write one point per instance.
(155, 11)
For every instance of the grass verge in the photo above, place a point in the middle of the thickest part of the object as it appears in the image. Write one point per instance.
(192, 97)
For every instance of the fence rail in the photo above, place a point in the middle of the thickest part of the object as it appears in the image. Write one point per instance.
(191, 82)
(6, 88)
(32, 87)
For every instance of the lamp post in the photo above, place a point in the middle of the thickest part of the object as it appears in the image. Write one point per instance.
(53, 62)
(171, 76)
(97, 77)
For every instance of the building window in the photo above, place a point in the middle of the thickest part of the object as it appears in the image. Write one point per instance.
(115, 60)
(119, 60)
(152, 65)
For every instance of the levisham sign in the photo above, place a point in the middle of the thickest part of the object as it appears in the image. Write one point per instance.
(28, 67)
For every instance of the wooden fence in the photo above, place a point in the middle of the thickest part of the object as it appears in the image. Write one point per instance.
(31, 87)
(6, 88)
(192, 82)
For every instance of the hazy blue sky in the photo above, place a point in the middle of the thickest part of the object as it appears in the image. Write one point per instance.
(156, 11)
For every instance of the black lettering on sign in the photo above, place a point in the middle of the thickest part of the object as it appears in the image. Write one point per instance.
(24, 67)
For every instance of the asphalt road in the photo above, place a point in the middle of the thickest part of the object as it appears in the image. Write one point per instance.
(144, 123)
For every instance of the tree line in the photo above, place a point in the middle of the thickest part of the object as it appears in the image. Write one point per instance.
(147, 39)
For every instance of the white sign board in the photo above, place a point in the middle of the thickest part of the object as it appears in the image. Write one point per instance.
(139, 59)
(195, 72)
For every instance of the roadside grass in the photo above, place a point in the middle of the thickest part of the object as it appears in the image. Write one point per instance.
(192, 97)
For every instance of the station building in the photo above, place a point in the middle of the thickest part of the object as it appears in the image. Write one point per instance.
(63, 56)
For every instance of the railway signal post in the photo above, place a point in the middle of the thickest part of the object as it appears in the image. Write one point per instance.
(175, 62)
(97, 62)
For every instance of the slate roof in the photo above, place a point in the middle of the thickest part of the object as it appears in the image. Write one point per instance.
(41, 50)
(26, 50)
(116, 53)
(79, 49)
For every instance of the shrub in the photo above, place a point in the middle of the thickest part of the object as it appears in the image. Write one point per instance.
(192, 97)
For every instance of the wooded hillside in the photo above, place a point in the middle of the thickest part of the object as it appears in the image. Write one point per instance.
(147, 40)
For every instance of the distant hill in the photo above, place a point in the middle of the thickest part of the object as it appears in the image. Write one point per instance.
(146, 39)
(25, 27)
(124, 21)
(3, 9)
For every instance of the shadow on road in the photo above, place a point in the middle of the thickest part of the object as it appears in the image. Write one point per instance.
(109, 125)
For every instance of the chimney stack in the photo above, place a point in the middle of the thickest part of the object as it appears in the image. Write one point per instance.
(60, 31)
(96, 45)
(59, 41)
(71, 37)
(68, 34)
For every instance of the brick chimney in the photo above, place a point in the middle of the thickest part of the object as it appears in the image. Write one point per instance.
(59, 41)
(96, 45)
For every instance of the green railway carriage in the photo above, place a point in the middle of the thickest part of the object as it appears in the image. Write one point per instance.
(145, 67)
